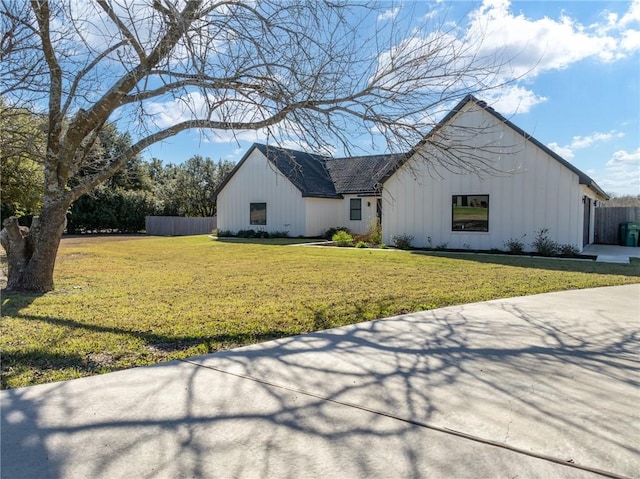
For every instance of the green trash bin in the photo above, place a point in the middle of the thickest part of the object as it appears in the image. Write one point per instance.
(629, 233)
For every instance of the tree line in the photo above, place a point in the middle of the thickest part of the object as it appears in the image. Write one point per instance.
(141, 188)
(622, 200)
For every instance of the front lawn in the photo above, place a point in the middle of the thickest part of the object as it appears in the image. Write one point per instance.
(121, 303)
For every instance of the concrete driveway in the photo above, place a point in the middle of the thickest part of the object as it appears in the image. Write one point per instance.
(538, 386)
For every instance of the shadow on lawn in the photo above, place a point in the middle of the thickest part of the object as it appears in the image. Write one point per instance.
(554, 264)
(158, 347)
(453, 369)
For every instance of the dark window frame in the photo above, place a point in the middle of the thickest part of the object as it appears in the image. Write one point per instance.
(469, 224)
(353, 210)
(253, 209)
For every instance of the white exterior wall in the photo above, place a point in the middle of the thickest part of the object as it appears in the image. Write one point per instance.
(368, 204)
(258, 181)
(542, 194)
(585, 191)
(322, 214)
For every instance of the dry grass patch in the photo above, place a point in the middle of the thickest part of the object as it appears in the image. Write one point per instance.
(122, 303)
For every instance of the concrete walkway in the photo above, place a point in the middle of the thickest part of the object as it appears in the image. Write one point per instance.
(607, 253)
(538, 386)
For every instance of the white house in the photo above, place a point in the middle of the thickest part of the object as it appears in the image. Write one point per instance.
(276, 189)
(530, 188)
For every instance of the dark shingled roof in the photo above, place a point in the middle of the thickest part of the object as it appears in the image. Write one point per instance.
(360, 174)
(306, 171)
(321, 177)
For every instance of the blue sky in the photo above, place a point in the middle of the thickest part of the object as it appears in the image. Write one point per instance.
(579, 96)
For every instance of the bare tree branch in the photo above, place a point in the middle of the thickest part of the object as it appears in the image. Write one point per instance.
(326, 75)
(125, 31)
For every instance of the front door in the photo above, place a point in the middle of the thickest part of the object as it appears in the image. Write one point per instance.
(586, 224)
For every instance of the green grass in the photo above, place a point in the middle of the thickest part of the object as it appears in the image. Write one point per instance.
(122, 303)
(467, 213)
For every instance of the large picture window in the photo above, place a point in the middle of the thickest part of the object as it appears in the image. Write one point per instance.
(258, 214)
(470, 213)
(355, 209)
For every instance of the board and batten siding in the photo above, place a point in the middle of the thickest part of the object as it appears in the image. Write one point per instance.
(321, 214)
(368, 204)
(258, 181)
(534, 191)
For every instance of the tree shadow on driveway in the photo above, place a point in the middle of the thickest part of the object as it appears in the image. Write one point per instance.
(350, 402)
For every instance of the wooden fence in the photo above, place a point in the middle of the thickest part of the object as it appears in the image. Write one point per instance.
(607, 222)
(178, 225)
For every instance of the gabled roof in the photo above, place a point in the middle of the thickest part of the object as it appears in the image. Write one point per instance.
(322, 177)
(583, 178)
(306, 171)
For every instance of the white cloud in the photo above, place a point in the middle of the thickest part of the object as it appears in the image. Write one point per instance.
(579, 142)
(633, 15)
(168, 113)
(513, 99)
(532, 46)
(564, 151)
(621, 157)
(512, 49)
(623, 173)
(388, 14)
(631, 40)
(586, 141)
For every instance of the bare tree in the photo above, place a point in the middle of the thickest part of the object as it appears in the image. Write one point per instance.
(318, 73)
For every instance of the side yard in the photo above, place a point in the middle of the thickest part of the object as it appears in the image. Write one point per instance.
(121, 303)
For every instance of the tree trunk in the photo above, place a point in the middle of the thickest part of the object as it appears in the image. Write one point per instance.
(31, 252)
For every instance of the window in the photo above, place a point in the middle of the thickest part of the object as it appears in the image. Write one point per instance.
(355, 209)
(470, 213)
(258, 214)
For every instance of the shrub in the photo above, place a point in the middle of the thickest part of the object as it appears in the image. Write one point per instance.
(570, 250)
(342, 238)
(402, 241)
(253, 234)
(332, 231)
(222, 233)
(111, 210)
(514, 245)
(246, 234)
(441, 247)
(375, 231)
(360, 237)
(383, 246)
(544, 245)
(429, 242)
(361, 244)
